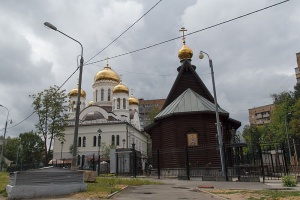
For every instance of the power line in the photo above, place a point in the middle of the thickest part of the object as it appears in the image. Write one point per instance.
(54, 93)
(125, 30)
(166, 41)
(92, 58)
(209, 27)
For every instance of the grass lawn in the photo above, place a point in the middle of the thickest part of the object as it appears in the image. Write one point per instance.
(105, 186)
(257, 194)
(4, 178)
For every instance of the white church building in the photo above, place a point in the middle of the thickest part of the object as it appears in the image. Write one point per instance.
(113, 112)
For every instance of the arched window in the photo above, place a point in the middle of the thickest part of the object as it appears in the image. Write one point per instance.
(94, 141)
(124, 103)
(112, 140)
(83, 141)
(79, 142)
(118, 103)
(96, 95)
(108, 95)
(118, 140)
(78, 160)
(102, 94)
(82, 160)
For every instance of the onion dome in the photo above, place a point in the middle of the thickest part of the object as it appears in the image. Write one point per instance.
(121, 88)
(107, 74)
(91, 103)
(133, 100)
(185, 52)
(74, 93)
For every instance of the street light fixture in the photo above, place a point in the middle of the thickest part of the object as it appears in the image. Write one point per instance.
(220, 140)
(74, 153)
(3, 142)
(287, 136)
(99, 144)
(62, 145)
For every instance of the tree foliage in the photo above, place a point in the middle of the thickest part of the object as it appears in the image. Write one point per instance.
(49, 106)
(285, 118)
(153, 112)
(31, 148)
(11, 147)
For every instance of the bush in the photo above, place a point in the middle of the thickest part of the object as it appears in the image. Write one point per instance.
(289, 181)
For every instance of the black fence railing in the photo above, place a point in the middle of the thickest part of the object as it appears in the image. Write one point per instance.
(261, 161)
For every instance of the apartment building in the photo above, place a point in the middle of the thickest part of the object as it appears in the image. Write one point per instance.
(260, 115)
(146, 106)
(297, 69)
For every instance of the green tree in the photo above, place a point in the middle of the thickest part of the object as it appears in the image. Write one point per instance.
(153, 112)
(11, 147)
(31, 150)
(49, 106)
(297, 91)
(252, 136)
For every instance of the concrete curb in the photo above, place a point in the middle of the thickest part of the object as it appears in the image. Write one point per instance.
(113, 194)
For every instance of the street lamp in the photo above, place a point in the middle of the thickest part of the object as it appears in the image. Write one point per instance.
(287, 135)
(74, 153)
(134, 159)
(220, 140)
(99, 144)
(62, 145)
(3, 141)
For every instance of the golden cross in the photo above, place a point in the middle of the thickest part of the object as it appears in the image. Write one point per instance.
(182, 30)
(131, 90)
(121, 77)
(106, 60)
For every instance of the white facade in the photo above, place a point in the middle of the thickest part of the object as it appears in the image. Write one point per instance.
(111, 111)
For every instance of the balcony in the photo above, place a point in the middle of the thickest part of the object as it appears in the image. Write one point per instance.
(258, 116)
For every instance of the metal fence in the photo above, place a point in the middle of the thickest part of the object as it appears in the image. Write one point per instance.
(258, 163)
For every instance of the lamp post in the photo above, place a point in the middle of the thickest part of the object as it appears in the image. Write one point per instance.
(99, 144)
(220, 140)
(3, 141)
(134, 159)
(74, 152)
(287, 136)
(62, 145)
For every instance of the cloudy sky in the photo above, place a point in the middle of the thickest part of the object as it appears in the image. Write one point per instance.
(253, 56)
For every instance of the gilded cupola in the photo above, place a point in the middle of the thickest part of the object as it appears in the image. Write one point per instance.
(91, 103)
(121, 88)
(133, 100)
(74, 93)
(185, 52)
(107, 74)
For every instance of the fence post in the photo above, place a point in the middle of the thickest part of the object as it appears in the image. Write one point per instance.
(187, 163)
(225, 161)
(117, 164)
(94, 168)
(158, 165)
(261, 162)
(284, 159)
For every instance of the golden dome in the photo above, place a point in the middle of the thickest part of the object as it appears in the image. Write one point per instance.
(121, 88)
(185, 53)
(107, 74)
(133, 100)
(74, 93)
(91, 103)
